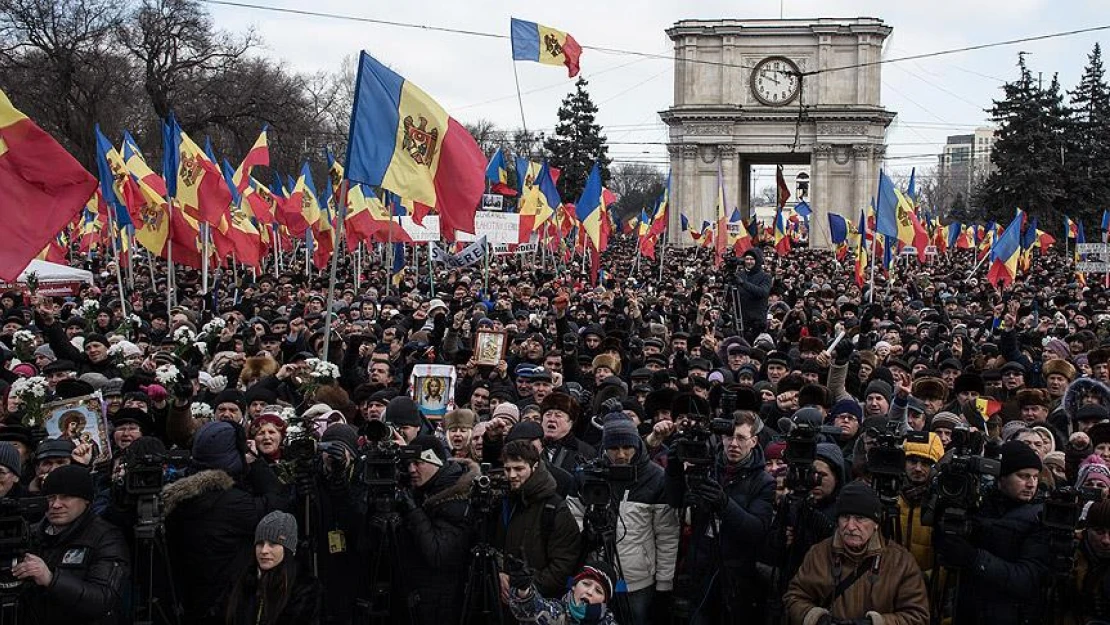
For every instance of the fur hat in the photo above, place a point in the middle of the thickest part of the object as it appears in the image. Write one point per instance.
(561, 402)
(968, 383)
(611, 363)
(1059, 367)
(930, 388)
(1033, 397)
(459, 418)
(810, 344)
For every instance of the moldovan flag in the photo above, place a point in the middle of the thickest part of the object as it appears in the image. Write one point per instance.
(535, 42)
(152, 221)
(1004, 255)
(302, 209)
(497, 176)
(538, 204)
(200, 184)
(42, 188)
(259, 155)
(659, 218)
(782, 240)
(721, 242)
(742, 240)
(403, 141)
(588, 208)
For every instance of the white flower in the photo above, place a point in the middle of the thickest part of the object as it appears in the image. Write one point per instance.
(89, 307)
(200, 411)
(166, 374)
(135, 320)
(322, 369)
(214, 327)
(294, 429)
(115, 350)
(287, 413)
(23, 336)
(33, 387)
(201, 347)
(184, 336)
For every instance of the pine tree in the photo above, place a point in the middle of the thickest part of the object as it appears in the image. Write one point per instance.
(1031, 128)
(1088, 139)
(577, 143)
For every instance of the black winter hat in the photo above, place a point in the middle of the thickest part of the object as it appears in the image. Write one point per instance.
(344, 434)
(71, 479)
(526, 430)
(429, 449)
(1017, 456)
(859, 499)
(231, 396)
(402, 410)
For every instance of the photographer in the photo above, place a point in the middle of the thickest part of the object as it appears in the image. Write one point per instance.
(647, 528)
(534, 523)
(920, 460)
(81, 562)
(857, 577)
(753, 286)
(211, 517)
(732, 506)
(1006, 558)
(435, 535)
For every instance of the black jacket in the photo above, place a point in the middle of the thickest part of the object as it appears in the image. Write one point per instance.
(89, 562)
(753, 288)
(302, 607)
(568, 452)
(435, 542)
(210, 523)
(1005, 584)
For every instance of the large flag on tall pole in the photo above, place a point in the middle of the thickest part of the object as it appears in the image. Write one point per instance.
(543, 44)
(782, 190)
(259, 154)
(721, 242)
(1004, 255)
(403, 141)
(199, 183)
(42, 188)
(154, 228)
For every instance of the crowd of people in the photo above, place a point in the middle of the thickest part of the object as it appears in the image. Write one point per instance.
(761, 440)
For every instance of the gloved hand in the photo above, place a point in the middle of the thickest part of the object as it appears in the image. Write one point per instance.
(957, 551)
(711, 493)
(844, 350)
(520, 575)
(405, 502)
(613, 404)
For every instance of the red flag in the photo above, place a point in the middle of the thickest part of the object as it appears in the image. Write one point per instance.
(42, 188)
(783, 188)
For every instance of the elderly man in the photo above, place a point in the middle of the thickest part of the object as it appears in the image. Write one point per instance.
(857, 576)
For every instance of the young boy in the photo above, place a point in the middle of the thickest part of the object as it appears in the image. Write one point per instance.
(584, 604)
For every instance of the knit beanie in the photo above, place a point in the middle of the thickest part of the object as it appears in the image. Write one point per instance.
(932, 450)
(279, 528)
(215, 447)
(834, 457)
(774, 450)
(402, 410)
(1093, 467)
(506, 410)
(847, 406)
(880, 387)
(231, 396)
(429, 449)
(97, 338)
(600, 572)
(619, 431)
(1098, 515)
(1017, 456)
(808, 416)
(71, 479)
(344, 434)
(9, 458)
(859, 499)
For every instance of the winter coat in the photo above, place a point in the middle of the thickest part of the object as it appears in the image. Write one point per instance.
(568, 452)
(916, 537)
(89, 562)
(302, 608)
(745, 524)
(210, 523)
(892, 593)
(64, 350)
(1004, 585)
(532, 608)
(753, 287)
(435, 542)
(1088, 595)
(647, 529)
(553, 554)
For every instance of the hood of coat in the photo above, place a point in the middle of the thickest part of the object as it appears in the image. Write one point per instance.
(173, 495)
(539, 487)
(452, 482)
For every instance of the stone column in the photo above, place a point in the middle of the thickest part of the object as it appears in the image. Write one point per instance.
(867, 184)
(821, 196)
(731, 173)
(685, 195)
(745, 196)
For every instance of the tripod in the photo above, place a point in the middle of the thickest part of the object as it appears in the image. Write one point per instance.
(483, 587)
(382, 522)
(600, 524)
(150, 544)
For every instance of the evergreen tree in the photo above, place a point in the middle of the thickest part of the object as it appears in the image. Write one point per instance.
(577, 143)
(1088, 139)
(1027, 154)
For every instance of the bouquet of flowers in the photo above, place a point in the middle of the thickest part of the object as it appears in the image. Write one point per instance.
(23, 342)
(31, 393)
(213, 328)
(184, 339)
(201, 410)
(89, 309)
(167, 375)
(119, 359)
(320, 373)
(128, 325)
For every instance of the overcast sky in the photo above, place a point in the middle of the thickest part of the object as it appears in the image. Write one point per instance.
(472, 77)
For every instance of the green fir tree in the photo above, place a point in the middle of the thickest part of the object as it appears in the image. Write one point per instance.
(577, 143)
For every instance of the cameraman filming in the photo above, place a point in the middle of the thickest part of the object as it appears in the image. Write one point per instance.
(82, 559)
(434, 535)
(1005, 557)
(730, 515)
(753, 286)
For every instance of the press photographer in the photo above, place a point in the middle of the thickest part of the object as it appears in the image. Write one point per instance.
(1001, 555)
(79, 561)
(622, 499)
(435, 536)
(728, 505)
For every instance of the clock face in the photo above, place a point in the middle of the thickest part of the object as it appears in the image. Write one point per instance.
(775, 81)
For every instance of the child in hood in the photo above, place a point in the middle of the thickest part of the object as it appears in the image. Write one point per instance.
(586, 603)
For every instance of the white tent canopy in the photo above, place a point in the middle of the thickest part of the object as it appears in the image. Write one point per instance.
(53, 272)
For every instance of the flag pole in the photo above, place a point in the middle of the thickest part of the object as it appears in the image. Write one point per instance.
(358, 267)
(520, 102)
(485, 269)
(431, 270)
(169, 256)
(334, 262)
(874, 246)
(277, 250)
(119, 260)
(204, 262)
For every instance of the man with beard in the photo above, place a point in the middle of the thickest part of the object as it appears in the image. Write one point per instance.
(917, 538)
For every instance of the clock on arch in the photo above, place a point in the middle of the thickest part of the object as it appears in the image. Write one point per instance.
(775, 81)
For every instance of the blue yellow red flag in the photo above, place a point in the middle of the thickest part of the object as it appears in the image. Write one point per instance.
(1004, 255)
(543, 44)
(403, 141)
(886, 210)
(588, 208)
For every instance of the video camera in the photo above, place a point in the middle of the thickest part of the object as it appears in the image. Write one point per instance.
(1061, 513)
(598, 479)
(800, 454)
(16, 537)
(886, 458)
(957, 487)
(146, 475)
(693, 442)
(383, 464)
(487, 488)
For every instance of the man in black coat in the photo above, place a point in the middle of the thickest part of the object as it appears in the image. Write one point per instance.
(731, 510)
(562, 448)
(211, 517)
(1007, 559)
(753, 285)
(81, 561)
(435, 537)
